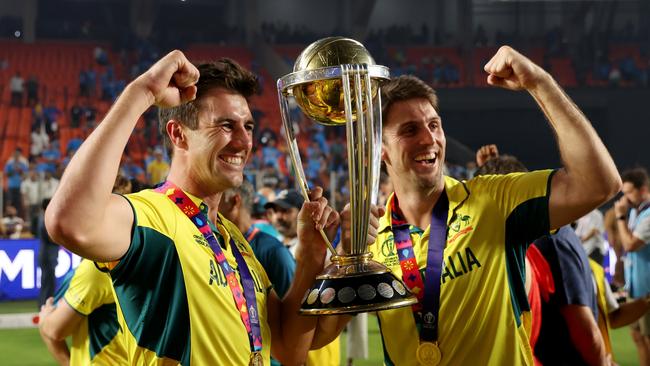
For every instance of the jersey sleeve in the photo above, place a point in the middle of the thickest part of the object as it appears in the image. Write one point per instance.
(523, 201)
(145, 215)
(89, 288)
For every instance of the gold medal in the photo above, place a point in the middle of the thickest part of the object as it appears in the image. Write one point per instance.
(256, 359)
(428, 354)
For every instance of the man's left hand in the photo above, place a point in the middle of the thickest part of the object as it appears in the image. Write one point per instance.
(510, 69)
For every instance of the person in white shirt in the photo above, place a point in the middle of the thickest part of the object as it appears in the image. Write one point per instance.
(31, 191)
(590, 229)
(16, 84)
(48, 186)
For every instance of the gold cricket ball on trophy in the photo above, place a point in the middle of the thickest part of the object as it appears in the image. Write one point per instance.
(323, 100)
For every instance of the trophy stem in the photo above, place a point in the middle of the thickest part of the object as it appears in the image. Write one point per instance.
(294, 153)
(335, 82)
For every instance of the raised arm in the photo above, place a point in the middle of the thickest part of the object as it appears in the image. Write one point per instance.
(589, 176)
(83, 215)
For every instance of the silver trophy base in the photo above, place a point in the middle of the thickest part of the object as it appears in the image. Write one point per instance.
(355, 284)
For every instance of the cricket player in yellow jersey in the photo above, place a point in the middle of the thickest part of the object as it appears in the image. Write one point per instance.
(189, 289)
(85, 309)
(460, 246)
(474, 305)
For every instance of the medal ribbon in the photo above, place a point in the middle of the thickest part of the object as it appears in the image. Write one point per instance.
(429, 306)
(249, 314)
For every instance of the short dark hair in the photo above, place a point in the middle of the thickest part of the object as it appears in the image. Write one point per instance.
(223, 73)
(503, 164)
(406, 87)
(637, 176)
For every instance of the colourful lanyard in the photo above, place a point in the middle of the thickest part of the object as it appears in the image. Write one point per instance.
(249, 315)
(429, 305)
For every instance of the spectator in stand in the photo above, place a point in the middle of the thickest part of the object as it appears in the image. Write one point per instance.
(73, 144)
(271, 153)
(12, 223)
(51, 157)
(270, 177)
(84, 88)
(90, 113)
(451, 74)
(40, 140)
(47, 259)
(15, 168)
(100, 55)
(17, 87)
(49, 185)
(66, 160)
(106, 81)
(76, 114)
(91, 80)
(285, 209)
(32, 90)
(157, 169)
(38, 118)
(260, 214)
(31, 190)
(51, 113)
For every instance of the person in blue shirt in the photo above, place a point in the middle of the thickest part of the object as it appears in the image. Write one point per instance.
(236, 205)
(569, 334)
(15, 168)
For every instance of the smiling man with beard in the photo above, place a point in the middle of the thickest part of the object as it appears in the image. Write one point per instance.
(189, 289)
(460, 246)
(285, 213)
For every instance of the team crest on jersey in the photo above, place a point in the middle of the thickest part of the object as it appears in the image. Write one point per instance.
(387, 250)
(459, 227)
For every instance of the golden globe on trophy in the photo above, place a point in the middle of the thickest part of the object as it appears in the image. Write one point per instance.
(336, 82)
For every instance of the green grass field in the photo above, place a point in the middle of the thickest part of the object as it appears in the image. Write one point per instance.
(24, 347)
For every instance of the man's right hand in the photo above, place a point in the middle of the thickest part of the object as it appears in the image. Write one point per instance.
(376, 212)
(171, 81)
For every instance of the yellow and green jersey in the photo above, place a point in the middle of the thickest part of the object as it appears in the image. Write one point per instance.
(484, 316)
(98, 339)
(173, 299)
